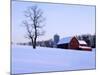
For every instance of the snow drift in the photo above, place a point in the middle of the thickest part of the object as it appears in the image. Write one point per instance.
(42, 59)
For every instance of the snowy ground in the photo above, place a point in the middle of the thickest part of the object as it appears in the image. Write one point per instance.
(27, 60)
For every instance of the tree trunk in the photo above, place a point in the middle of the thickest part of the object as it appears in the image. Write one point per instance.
(35, 37)
(33, 45)
(33, 40)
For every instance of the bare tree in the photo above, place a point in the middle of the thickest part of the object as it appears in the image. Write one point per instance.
(33, 24)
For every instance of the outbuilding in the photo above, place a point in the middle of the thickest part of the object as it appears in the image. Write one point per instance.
(73, 43)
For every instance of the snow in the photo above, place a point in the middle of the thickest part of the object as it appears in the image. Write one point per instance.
(84, 47)
(65, 40)
(28, 60)
(82, 42)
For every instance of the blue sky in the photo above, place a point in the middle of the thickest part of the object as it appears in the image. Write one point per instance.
(62, 19)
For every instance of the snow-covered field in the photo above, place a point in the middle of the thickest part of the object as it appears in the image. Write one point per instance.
(42, 59)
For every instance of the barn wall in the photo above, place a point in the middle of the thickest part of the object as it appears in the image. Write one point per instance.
(74, 43)
(63, 46)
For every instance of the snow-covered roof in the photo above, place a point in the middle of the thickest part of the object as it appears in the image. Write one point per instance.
(68, 39)
(64, 40)
(82, 42)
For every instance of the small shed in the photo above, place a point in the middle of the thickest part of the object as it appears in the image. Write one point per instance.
(73, 43)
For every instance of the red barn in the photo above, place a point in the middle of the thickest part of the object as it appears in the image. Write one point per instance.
(73, 43)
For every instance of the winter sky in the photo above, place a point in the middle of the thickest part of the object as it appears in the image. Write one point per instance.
(62, 19)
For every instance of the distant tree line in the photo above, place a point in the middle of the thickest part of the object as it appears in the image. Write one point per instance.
(46, 43)
(89, 39)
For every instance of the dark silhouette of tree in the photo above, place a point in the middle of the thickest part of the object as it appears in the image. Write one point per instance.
(94, 41)
(89, 39)
(86, 38)
(33, 23)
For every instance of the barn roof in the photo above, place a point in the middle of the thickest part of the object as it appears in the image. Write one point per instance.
(68, 39)
(64, 40)
(82, 42)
